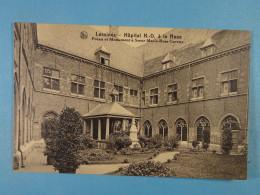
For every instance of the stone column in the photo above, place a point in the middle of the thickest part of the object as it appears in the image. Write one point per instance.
(99, 129)
(84, 127)
(123, 125)
(107, 128)
(91, 127)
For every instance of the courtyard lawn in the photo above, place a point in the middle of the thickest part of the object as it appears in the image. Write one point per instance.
(215, 166)
(98, 156)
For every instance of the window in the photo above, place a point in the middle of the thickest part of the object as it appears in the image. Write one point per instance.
(163, 128)
(172, 93)
(120, 93)
(202, 124)
(208, 51)
(133, 96)
(143, 98)
(104, 61)
(51, 79)
(181, 129)
(148, 129)
(154, 96)
(77, 84)
(99, 89)
(230, 122)
(166, 65)
(197, 88)
(229, 82)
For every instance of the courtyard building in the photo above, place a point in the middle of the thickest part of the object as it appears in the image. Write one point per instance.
(199, 85)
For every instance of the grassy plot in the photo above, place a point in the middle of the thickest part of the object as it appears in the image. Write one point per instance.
(215, 166)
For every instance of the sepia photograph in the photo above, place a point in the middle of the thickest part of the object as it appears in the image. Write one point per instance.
(133, 101)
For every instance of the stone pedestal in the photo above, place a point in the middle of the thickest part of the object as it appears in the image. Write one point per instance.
(133, 136)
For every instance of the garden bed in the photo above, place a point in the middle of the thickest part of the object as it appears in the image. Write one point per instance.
(99, 156)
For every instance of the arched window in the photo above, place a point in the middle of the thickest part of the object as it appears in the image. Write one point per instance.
(230, 122)
(147, 128)
(163, 128)
(181, 129)
(201, 124)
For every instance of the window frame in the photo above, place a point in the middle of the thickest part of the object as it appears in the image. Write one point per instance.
(222, 93)
(197, 87)
(133, 96)
(78, 83)
(99, 88)
(51, 77)
(153, 95)
(172, 92)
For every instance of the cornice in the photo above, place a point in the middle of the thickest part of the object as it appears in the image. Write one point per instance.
(182, 66)
(80, 59)
(199, 61)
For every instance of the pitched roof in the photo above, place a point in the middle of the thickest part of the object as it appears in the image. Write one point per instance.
(102, 49)
(109, 109)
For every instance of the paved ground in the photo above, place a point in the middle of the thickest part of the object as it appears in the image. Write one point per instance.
(37, 162)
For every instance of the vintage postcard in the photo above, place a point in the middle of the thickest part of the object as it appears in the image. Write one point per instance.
(139, 101)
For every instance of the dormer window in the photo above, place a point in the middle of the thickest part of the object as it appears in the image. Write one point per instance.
(167, 61)
(208, 48)
(103, 55)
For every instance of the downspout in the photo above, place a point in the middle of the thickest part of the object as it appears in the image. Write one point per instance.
(19, 134)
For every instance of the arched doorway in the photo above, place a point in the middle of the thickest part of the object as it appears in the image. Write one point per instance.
(163, 128)
(147, 126)
(181, 129)
(201, 124)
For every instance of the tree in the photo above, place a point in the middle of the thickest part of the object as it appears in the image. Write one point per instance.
(227, 140)
(205, 139)
(49, 131)
(66, 156)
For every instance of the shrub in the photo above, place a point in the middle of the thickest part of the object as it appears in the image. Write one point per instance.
(195, 144)
(94, 155)
(126, 160)
(49, 132)
(67, 141)
(86, 141)
(118, 140)
(143, 141)
(227, 140)
(168, 160)
(125, 151)
(148, 168)
(205, 139)
(172, 142)
(156, 141)
(214, 151)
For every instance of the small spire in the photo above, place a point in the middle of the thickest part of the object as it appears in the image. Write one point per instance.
(114, 93)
